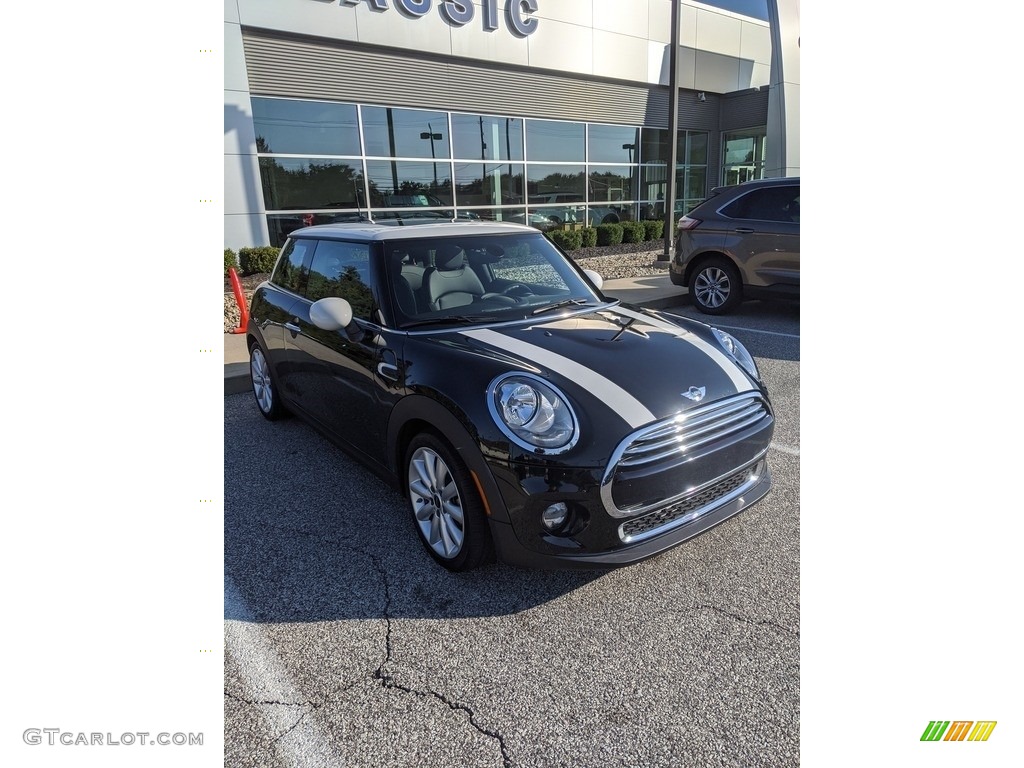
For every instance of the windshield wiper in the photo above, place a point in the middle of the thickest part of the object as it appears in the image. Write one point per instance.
(450, 320)
(560, 304)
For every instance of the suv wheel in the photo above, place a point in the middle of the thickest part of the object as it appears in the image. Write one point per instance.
(446, 508)
(715, 287)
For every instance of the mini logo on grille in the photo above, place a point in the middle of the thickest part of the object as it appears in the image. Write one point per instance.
(695, 393)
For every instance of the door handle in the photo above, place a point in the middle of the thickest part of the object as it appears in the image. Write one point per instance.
(293, 328)
(388, 367)
(744, 230)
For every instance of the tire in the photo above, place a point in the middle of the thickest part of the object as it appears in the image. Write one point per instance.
(715, 287)
(264, 385)
(610, 218)
(440, 491)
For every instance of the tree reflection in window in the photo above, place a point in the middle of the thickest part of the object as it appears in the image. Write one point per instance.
(342, 270)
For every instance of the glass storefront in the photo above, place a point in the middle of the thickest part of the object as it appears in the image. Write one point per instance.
(323, 162)
(743, 155)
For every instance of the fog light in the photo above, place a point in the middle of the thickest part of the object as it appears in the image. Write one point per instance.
(554, 516)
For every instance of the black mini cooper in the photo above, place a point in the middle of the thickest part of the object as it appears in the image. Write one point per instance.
(523, 414)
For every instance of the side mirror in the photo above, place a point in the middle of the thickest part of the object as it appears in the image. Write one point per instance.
(331, 314)
(595, 278)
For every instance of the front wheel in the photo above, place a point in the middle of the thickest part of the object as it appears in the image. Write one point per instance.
(446, 508)
(264, 388)
(715, 287)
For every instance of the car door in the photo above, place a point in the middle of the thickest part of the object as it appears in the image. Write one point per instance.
(278, 296)
(334, 374)
(763, 232)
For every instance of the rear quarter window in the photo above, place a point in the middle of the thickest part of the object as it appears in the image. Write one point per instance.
(769, 204)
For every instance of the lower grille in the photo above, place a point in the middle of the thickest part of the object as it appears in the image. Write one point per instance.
(691, 507)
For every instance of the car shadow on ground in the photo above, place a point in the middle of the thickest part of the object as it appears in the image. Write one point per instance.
(310, 535)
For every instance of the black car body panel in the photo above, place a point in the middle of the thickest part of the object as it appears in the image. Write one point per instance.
(672, 431)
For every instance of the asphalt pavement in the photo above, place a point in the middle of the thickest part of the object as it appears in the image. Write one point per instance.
(346, 645)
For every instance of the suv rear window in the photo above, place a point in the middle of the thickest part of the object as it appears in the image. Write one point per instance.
(768, 204)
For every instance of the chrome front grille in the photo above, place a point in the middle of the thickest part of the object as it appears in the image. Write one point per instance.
(691, 507)
(692, 430)
(661, 463)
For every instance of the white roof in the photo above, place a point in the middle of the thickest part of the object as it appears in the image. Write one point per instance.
(368, 231)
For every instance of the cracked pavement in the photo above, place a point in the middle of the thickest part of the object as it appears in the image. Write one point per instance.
(345, 645)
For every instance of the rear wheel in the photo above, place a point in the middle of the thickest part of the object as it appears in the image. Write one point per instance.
(715, 287)
(264, 388)
(446, 508)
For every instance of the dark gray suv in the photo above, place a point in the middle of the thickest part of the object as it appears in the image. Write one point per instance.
(743, 242)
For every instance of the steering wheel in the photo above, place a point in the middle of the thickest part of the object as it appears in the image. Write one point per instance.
(501, 298)
(517, 289)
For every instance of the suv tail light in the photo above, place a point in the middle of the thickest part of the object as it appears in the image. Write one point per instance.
(688, 223)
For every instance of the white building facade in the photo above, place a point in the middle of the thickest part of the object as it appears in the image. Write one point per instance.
(517, 110)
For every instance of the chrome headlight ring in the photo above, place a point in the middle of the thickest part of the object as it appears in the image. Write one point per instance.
(533, 413)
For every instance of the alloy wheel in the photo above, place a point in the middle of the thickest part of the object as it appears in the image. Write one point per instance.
(261, 385)
(712, 287)
(436, 503)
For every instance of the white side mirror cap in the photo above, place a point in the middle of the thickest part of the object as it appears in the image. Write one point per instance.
(331, 314)
(595, 278)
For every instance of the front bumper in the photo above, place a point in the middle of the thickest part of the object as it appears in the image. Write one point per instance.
(511, 549)
(664, 483)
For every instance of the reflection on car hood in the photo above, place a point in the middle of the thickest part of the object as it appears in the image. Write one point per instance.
(639, 364)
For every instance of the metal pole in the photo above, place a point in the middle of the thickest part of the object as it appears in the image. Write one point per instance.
(673, 131)
(391, 145)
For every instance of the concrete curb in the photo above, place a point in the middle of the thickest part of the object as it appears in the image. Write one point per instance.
(236, 378)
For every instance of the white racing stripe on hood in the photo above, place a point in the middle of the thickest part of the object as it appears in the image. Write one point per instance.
(726, 363)
(614, 396)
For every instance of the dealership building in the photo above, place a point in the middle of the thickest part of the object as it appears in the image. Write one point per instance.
(538, 111)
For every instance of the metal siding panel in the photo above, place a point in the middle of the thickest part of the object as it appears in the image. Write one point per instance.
(303, 68)
(744, 110)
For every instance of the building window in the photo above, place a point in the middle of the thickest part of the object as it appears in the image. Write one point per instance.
(405, 133)
(691, 170)
(486, 137)
(324, 162)
(293, 127)
(743, 155)
(554, 141)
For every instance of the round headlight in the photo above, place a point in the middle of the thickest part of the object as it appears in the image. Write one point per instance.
(532, 413)
(737, 352)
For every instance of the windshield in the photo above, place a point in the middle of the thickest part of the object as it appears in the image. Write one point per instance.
(480, 279)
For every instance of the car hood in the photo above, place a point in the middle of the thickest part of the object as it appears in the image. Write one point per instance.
(640, 364)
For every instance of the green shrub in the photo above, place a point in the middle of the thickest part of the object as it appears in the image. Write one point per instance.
(230, 260)
(609, 234)
(589, 235)
(654, 229)
(258, 260)
(567, 240)
(632, 232)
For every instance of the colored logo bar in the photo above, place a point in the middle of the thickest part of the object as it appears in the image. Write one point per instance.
(958, 730)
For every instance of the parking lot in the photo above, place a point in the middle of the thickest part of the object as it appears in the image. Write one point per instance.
(346, 645)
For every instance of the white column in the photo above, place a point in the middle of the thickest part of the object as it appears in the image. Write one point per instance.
(783, 152)
(245, 223)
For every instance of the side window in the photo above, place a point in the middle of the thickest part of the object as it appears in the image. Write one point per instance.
(771, 204)
(343, 269)
(292, 267)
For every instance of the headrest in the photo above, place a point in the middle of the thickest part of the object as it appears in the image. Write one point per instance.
(448, 256)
